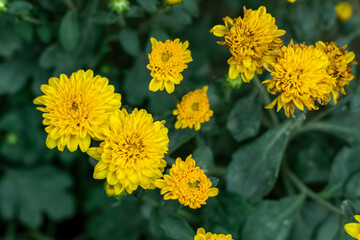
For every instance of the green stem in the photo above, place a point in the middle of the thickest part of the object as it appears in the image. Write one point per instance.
(317, 198)
(267, 100)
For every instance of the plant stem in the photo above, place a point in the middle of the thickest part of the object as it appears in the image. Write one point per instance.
(304, 189)
(267, 100)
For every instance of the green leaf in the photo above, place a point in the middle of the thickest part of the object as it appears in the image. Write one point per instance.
(180, 16)
(19, 7)
(177, 229)
(122, 220)
(44, 33)
(203, 157)
(148, 5)
(178, 137)
(328, 228)
(69, 31)
(345, 125)
(191, 7)
(129, 41)
(254, 167)
(25, 30)
(9, 40)
(244, 119)
(12, 80)
(272, 219)
(104, 17)
(307, 221)
(134, 78)
(219, 212)
(345, 165)
(28, 193)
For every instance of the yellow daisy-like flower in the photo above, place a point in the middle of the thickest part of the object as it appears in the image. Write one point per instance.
(132, 153)
(292, 1)
(300, 76)
(252, 41)
(76, 109)
(193, 109)
(343, 11)
(202, 235)
(340, 65)
(173, 2)
(353, 229)
(166, 62)
(187, 183)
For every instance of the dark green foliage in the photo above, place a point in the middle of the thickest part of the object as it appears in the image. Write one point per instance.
(273, 179)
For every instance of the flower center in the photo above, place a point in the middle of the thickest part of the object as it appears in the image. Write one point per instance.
(195, 106)
(194, 184)
(74, 106)
(131, 149)
(165, 57)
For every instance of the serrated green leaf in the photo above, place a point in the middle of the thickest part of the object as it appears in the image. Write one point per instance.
(345, 165)
(19, 7)
(129, 41)
(177, 229)
(254, 167)
(28, 193)
(69, 31)
(272, 219)
(244, 119)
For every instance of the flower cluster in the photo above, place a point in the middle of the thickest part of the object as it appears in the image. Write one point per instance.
(301, 75)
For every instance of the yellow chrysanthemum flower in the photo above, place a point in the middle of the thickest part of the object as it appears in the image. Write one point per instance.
(353, 229)
(173, 2)
(340, 65)
(202, 235)
(193, 109)
(252, 41)
(166, 62)
(343, 11)
(300, 76)
(132, 153)
(292, 1)
(76, 109)
(187, 183)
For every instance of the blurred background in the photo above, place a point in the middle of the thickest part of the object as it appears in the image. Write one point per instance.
(46, 194)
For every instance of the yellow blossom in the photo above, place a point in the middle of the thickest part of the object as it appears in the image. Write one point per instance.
(76, 109)
(353, 229)
(132, 153)
(173, 2)
(202, 235)
(340, 66)
(252, 41)
(166, 62)
(343, 11)
(193, 109)
(292, 1)
(300, 76)
(187, 183)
